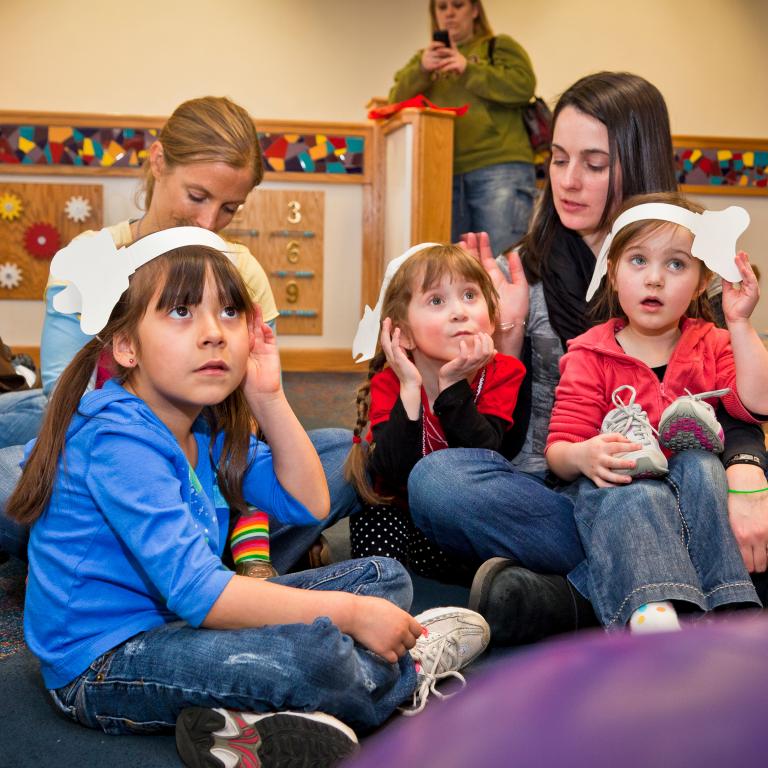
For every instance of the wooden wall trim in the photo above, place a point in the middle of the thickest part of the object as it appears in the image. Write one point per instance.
(298, 360)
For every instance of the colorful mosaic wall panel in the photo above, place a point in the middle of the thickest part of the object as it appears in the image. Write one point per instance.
(93, 147)
(58, 145)
(711, 167)
(313, 153)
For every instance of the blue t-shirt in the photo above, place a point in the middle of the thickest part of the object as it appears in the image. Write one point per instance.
(131, 538)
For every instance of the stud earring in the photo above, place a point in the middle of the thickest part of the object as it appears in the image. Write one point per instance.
(131, 361)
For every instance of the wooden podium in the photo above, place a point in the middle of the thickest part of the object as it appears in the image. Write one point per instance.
(412, 188)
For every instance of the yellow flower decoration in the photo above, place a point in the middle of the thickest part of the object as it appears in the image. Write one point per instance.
(10, 206)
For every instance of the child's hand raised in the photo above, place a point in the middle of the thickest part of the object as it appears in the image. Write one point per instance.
(740, 299)
(262, 376)
(397, 355)
(475, 352)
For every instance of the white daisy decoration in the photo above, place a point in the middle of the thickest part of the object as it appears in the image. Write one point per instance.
(77, 208)
(10, 275)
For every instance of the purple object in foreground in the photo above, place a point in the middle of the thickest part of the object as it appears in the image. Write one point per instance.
(691, 698)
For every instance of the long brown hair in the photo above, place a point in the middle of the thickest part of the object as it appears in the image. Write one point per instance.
(607, 302)
(421, 271)
(183, 273)
(639, 141)
(211, 129)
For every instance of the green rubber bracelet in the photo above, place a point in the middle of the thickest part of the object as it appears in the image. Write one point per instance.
(758, 490)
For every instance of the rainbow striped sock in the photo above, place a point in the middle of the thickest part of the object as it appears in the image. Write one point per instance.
(250, 540)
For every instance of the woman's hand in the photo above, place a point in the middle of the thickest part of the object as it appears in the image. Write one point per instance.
(453, 62)
(262, 376)
(383, 628)
(513, 292)
(434, 56)
(740, 300)
(748, 514)
(474, 352)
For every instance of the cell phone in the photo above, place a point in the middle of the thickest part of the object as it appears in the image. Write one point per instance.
(441, 36)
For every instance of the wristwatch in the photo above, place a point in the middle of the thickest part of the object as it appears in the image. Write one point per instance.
(745, 458)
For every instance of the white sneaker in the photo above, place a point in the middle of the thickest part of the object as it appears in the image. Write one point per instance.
(630, 420)
(224, 737)
(453, 638)
(690, 423)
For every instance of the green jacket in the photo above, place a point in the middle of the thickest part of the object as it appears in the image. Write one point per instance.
(492, 131)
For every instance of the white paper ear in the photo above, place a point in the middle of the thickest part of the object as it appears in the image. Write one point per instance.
(364, 343)
(97, 273)
(95, 282)
(715, 242)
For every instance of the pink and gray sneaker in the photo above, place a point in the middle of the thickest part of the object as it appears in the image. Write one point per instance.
(689, 423)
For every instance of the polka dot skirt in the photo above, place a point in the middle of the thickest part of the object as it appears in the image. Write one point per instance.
(389, 531)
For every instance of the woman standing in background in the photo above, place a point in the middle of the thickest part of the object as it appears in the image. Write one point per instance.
(493, 172)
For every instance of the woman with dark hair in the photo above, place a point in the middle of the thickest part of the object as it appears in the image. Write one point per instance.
(465, 63)
(611, 140)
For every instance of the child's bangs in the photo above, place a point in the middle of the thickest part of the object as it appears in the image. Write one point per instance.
(438, 262)
(186, 272)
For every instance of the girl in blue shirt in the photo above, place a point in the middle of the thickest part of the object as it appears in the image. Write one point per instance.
(134, 617)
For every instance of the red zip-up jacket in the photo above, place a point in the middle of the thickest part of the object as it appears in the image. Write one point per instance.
(595, 365)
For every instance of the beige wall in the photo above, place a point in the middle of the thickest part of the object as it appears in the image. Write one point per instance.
(322, 59)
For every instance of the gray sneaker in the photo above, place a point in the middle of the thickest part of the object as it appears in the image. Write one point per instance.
(690, 423)
(630, 420)
(453, 638)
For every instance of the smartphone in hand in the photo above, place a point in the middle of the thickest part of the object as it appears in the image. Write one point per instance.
(441, 36)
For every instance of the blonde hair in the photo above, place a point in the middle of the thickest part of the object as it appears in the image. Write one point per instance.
(421, 271)
(607, 301)
(481, 28)
(183, 273)
(211, 129)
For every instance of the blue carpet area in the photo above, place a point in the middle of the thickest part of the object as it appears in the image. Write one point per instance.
(34, 735)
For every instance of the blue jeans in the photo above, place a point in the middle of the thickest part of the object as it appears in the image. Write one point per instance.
(21, 414)
(660, 539)
(497, 199)
(287, 542)
(472, 502)
(143, 684)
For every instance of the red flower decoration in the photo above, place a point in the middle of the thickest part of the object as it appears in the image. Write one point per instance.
(42, 240)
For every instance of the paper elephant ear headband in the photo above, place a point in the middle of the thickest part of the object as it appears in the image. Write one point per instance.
(714, 236)
(364, 343)
(97, 272)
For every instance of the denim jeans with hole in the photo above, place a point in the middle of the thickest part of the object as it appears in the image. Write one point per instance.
(143, 684)
(497, 199)
(660, 539)
(472, 502)
(287, 542)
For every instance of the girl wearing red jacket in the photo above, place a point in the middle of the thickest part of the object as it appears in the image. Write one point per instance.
(657, 546)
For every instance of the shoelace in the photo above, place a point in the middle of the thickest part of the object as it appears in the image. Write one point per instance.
(629, 417)
(430, 659)
(704, 395)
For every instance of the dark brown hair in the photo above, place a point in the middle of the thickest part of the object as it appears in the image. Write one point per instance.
(607, 301)
(183, 273)
(421, 271)
(639, 141)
